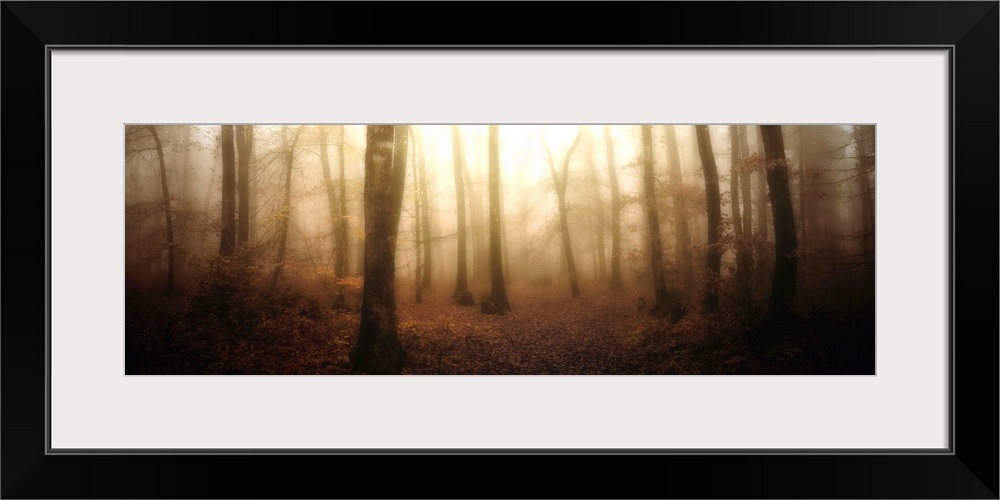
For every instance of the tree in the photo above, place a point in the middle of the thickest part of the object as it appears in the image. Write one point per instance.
(713, 258)
(286, 207)
(166, 209)
(616, 205)
(227, 242)
(462, 295)
(418, 286)
(682, 230)
(333, 204)
(425, 211)
(244, 150)
(560, 181)
(742, 253)
(663, 305)
(377, 349)
(783, 286)
(745, 186)
(498, 289)
(595, 193)
(341, 256)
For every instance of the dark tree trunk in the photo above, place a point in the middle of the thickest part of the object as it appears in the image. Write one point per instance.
(377, 349)
(761, 195)
(745, 187)
(331, 197)
(560, 187)
(616, 204)
(166, 210)
(714, 211)
(803, 188)
(682, 229)
(498, 289)
(785, 244)
(662, 306)
(244, 150)
(595, 190)
(425, 210)
(341, 255)
(286, 207)
(476, 225)
(742, 254)
(184, 226)
(462, 295)
(227, 242)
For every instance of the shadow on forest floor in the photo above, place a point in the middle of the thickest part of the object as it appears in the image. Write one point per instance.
(598, 333)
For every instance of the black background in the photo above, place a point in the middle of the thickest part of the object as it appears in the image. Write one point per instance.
(972, 472)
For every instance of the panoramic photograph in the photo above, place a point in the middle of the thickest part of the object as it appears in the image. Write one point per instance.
(479, 249)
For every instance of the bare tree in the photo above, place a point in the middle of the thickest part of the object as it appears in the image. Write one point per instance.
(166, 209)
(682, 230)
(498, 289)
(598, 203)
(461, 295)
(713, 259)
(783, 287)
(665, 303)
(377, 349)
(286, 207)
(560, 182)
(244, 150)
(616, 206)
(227, 242)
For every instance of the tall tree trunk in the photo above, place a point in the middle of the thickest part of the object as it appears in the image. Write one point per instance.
(662, 306)
(864, 140)
(682, 230)
(244, 150)
(785, 244)
(560, 187)
(331, 197)
(595, 190)
(761, 195)
(418, 270)
(745, 187)
(166, 210)
(341, 255)
(616, 205)
(714, 212)
(461, 295)
(742, 255)
(803, 189)
(227, 242)
(425, 210)
(498, 289)
(286, 207)
(476, 224)
(377, 349)
(184, 223)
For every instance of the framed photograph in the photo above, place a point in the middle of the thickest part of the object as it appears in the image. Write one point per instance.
(189, 349)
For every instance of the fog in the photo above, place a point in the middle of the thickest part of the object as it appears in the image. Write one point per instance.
(574, 211)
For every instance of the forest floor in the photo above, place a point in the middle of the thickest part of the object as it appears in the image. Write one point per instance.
(547, 332)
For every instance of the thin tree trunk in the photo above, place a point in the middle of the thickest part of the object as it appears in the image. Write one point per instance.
(745, 187)
(377, 349)
(783, 287)
(742, 254)
(166, 210)
(734, 185)
(417, 286)
(286, 208)
(762, 201)
(341, 255)
(498, 289)
(595, 190)
(461, 295)
(331, 196)
(682, 228)
(616, 204)
(476, 224)
(244, 150)
(227, 242)
(803, 191)
(425, 210)
(662, 306)
(184, 222)
(714, 212)
(560, 186)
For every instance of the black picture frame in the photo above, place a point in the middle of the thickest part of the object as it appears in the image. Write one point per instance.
(968, 29)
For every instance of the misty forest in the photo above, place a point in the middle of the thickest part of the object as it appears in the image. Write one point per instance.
(499, 249)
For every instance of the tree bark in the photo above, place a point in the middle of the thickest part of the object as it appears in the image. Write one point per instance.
(739, 222)
(560, 187)
(662, 306)
(803, 191)
(331, 196)
(616, 204)
(783, 286)
(461, 295)
(377, 349)
(244, 150)
(595, 190)
(682, 230)
(498, 289)
(227, 242)
(341, 255)
(166, 210)
(710, 298)
(745, 187)
(418, 270)
(425, 210)
(286, 208)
